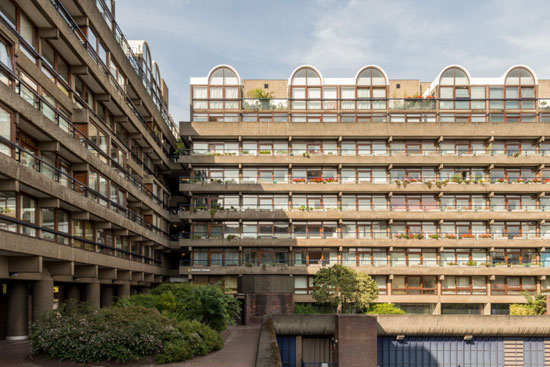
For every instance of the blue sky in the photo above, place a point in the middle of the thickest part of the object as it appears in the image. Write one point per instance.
(268, 39)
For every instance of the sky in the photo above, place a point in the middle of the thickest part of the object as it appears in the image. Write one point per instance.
(269, 39)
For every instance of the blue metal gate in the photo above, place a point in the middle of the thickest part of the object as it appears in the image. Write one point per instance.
(287, 350)
(440, 352)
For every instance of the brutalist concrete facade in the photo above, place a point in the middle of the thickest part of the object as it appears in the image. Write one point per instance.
(437, 189)
(86, 139)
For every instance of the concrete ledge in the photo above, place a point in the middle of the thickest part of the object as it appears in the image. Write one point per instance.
(461, 325)
(268, 350)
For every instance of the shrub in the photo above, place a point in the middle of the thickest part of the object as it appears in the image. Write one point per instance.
(79, 334)
(521, 310)
(197, 340)
(311, 309)
(82, 334)
(384, 309)
(182, 301)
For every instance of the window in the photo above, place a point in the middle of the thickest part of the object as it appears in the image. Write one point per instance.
(5, 54)
(57, 220)
(512, 285)
(520, 89)
(27, 209)
(454, 91)
(83, 232)
(223, 90)
(371, 89)
(5, 130)
(463, 285)
(306, 90)
(8, 208)
(413, 285)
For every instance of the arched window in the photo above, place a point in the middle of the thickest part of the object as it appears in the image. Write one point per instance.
(146, 62)
(223, 89)
(306, 89)
(519, 89)
(454, 90)
(370, 91)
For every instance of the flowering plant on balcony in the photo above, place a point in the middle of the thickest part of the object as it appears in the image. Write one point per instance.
(435, 236)
(317, 179)
(501, 180)
(330, 179)
(467, 235)
(409, 236)
(485, 235)
(535, 180)
(519, 180)
(299, 180)
(546, 180)
(450, 236)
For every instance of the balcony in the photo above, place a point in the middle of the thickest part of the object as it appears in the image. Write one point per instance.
(253, 104)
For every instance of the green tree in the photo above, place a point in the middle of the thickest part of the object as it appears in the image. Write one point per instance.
(535, 306)
(344, 288)
(384, 309)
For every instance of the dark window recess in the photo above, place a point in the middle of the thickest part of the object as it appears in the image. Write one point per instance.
(397, 86)
(266, 86)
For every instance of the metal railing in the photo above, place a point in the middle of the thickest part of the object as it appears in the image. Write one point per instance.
(230, 152)
(372, 235)
(100, 63)
(136, 64)
(10, 224)
(62, 120)
(30, 160)
(344, 208)
(399, 181)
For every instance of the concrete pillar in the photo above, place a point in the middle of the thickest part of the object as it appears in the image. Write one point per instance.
(487, 309)
(72, 292)
(298, 350)
(42, 297)
(92, 294)
(17, 311)
(437, 309)
(106, 296)
(124, 290)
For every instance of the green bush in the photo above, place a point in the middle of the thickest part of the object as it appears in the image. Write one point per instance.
(80, 334)
(198, 340)
(311, 309)
(183, 301)
(384, 309)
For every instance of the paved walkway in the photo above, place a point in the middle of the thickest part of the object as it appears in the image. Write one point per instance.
(241, 343)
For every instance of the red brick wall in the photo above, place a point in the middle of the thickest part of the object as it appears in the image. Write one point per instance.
(259, 304)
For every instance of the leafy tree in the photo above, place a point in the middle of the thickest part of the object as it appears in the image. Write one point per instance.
(535, 306)
(384, 309)
(344, 288)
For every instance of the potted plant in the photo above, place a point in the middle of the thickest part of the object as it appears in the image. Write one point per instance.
(450, 236)
(435, 236)
(263, 96)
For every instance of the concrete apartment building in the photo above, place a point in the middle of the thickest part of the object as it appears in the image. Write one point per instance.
(436, 189)
(86, 139)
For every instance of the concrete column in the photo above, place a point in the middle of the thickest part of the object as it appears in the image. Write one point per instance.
(106, 296)
(42, 297)
(72, 292)
(437, 309)
(298, 350)
(17, 311)
(487, 309)
(124, 290)
(92, 294)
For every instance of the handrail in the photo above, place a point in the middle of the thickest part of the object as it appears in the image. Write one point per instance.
(134, 61)
(6, 218)
(93, 54)
(389, 208)
(59, 176)
(373, 235)
(355, 152)
(399, 181)
(82, 102)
